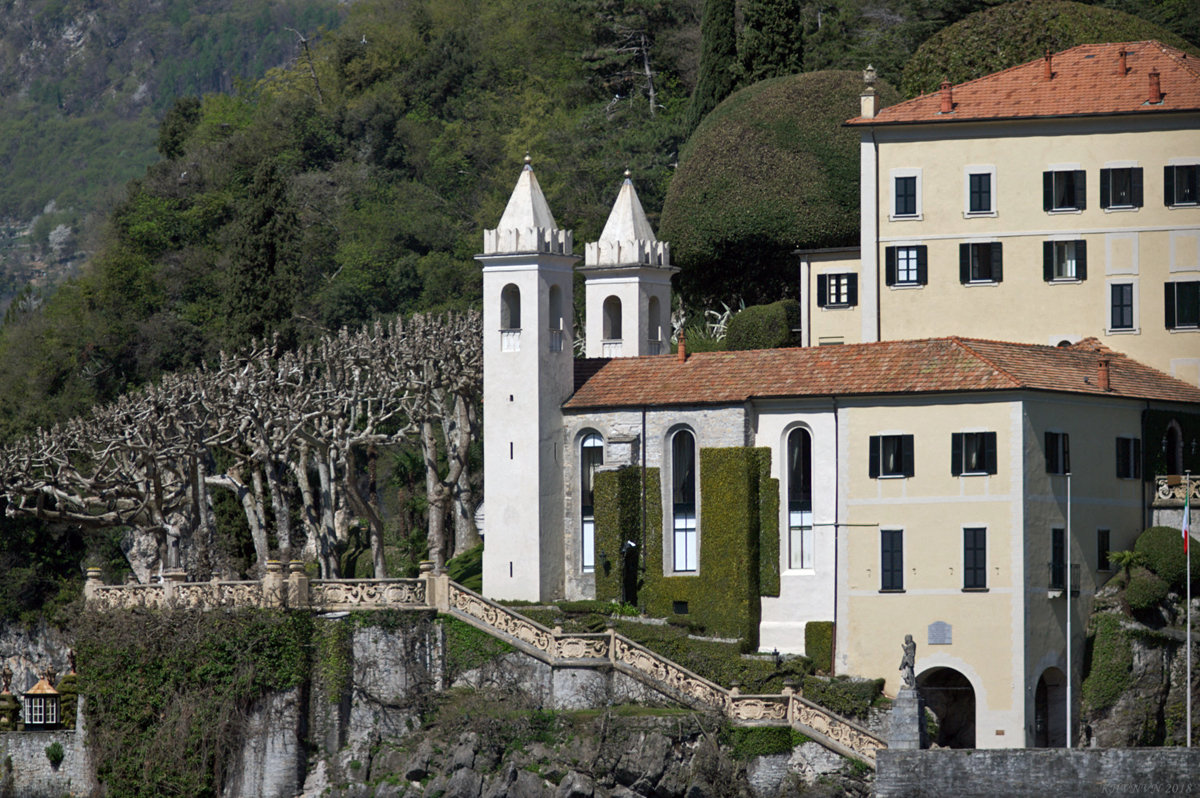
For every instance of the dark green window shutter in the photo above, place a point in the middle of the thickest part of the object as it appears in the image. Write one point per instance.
(964, 263)
(1168, 187)
(1051, 451)
(1105, 195)
(989, 452)
(852, 289)
(873, 457)
(997, 262)
(889, 268)
(1137, 458)
(1135, 182)
(1080, 189)
(1066, 453)
(1169, 307)
(922, 269)
(1047, 190)
(956, 453)
(1047, 260)
(1081, 260)
(907, 446)
(822, 291)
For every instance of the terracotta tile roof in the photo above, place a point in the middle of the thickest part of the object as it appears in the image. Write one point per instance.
(1085, 80)
(43, 687)
(932, 365)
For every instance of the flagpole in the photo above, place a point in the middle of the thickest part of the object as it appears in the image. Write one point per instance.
(1068, 559)
(1187, 495)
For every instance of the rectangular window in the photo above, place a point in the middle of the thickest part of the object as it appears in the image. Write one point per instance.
(37, 710)
(1182, 309)
(1064, 190)
(891, 456)
(837, 290)
(906, 196)
(1121, 188)
(1102, 549)
(1129, 458)
(1180, 185)
(979, 193)
(1058, 453)
(686, 556)
(1121, 317)
(974, 558)
(906, 265)
(1064, 260)
(980, 262)
(892, 559)
(972, 453)
(51, 711)
(1058, 560)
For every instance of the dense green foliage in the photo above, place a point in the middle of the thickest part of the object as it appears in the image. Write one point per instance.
(1145, 589)
(851, 698)
(718, 59)
(1111, 662)
(467, 647)
(768, 527)
(778, 154)
(55, 754)
(771, 43)
(618, 508)
(748, 742)
(765, 326)
(1162, 546)
(467, 568)
(1014, 33)
(818, 644)
(167, 692)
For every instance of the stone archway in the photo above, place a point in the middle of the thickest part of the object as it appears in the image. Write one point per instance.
(1049, 710)
(950, 696)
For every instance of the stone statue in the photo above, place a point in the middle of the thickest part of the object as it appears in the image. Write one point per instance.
(908, 662)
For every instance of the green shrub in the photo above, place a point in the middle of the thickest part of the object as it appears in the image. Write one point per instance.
(748, 742)
(1162, 546)
(765, 326)
(818, 644)
(1112, 663)
(54, 753)
(467, 647)
(467, 568)
(1145, 589)
(851, 698)
(768, 527)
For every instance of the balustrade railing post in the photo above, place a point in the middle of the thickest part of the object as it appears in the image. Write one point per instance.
(273, 591)
(93, 582)
(437, 587)
(788, 691)
(612, 641)
(171, 579)
(298, 597)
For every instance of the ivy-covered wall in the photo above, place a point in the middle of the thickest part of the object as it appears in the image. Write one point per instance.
(723, 596)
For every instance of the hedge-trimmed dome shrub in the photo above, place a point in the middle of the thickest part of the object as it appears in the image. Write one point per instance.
(769, 170)
(1004, 36)
(765, 326)
(1163, 549)
(1145, 589)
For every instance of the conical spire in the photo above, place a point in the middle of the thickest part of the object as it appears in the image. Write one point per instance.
(627, 239)
(527, 224)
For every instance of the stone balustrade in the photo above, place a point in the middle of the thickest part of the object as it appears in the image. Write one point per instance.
(1169, 490)
(432, 591)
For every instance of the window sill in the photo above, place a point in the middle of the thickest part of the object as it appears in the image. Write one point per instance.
(979, 214)
(975, 474)
(1123, 331)
(892, 476)
(891, 590)
(975, 590)
(1183, 329)
(916, 217)
(1065, 281)
(800, 572)
(1122, 208)
(978, 283)
(905, 286)
(1064, 211)
(837, 307)
(1183, 205)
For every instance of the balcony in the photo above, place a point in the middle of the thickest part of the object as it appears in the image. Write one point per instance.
(612, 347)
(1058, 576)
(1169, 491)
(510, 340)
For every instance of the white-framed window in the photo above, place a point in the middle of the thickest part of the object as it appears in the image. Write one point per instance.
(837, 290)
(1058, 453)
(36, 706)
(906, 265)
(1182, 305)
(890, 456)
(980, 262)
(1064, 261)
(1121, 187)
(685, 553)
(1122, 306)
(979, 190)
(1064, 189)
(800, 544)
(591, 457)
(906, 194)
(1181, 184)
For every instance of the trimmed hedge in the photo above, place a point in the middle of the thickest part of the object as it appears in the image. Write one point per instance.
(818, 644)
(768, 526)
(765, 326)
(1162, 546)
(845, 696)
(1145, 589)
(1014, 33)
(618, 513)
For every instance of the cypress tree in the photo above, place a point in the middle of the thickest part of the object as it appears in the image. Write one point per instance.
(772, 39)
(718, 59)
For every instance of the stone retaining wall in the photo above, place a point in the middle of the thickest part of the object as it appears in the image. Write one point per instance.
(25, 770)
(1038, 773)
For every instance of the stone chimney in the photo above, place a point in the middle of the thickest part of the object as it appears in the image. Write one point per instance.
(869, 99)
(1155, 94)
(1102, 378)
(1049, 71)
(1123, 68)
(947, 97)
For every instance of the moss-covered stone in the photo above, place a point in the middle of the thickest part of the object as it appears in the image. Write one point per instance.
(1112, 663)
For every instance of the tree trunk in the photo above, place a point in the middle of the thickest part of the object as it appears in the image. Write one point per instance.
(435, 498)
(280, 508)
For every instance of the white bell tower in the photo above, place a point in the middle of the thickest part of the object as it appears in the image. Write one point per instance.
(528, 372)
(627, 277)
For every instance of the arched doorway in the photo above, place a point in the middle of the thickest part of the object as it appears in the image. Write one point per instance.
(1049, 710)
(951, 697)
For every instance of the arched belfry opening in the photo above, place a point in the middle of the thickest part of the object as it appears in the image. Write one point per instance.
(654, 331)
(612, 320)
(510, 307)
(951, 698)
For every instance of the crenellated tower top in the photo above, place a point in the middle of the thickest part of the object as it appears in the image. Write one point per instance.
(527, 224)
(627, 239)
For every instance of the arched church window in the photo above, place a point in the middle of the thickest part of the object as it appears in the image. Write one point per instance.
(799, 496)
(510, 307)
(685, 549)
(591, 457)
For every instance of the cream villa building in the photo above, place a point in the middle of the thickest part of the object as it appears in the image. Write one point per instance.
(1053, 201)
(864, 491)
